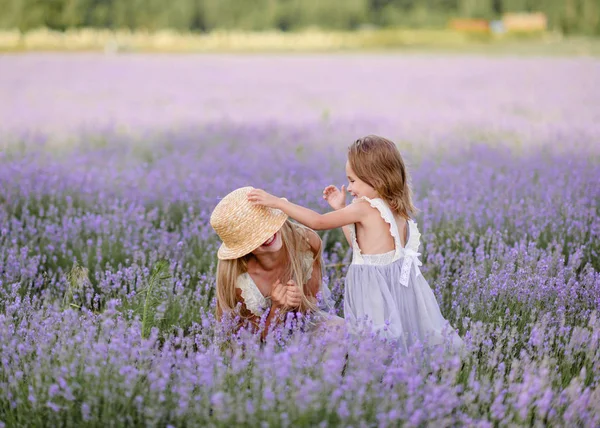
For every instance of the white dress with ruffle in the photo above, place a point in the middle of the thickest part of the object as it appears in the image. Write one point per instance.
(389, 291)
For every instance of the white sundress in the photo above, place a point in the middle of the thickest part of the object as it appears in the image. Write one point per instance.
(390, 291)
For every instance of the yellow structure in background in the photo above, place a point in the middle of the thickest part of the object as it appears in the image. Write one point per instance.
(525, 22)
(468, 25)
(510, 23)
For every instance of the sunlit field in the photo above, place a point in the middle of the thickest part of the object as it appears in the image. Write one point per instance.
(111, 165)
(307, 40)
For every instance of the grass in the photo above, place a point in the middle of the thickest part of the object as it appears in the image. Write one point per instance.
(312, 40)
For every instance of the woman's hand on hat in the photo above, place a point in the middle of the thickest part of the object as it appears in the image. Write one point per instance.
(335, 197)
(293, 295)
(278, 295)
(260, 197)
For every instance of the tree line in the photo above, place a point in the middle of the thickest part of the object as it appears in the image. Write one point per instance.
(566, 16)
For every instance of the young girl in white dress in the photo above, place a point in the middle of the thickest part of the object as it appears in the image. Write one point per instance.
(384, 283)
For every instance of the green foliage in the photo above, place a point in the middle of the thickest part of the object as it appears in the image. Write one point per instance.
(78, 282)
(153, 295)
(568, 16)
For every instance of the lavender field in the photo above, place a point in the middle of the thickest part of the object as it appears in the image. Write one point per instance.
(111, 165)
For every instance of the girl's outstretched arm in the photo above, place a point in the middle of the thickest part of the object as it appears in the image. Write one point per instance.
(353, 213)
(336, 198)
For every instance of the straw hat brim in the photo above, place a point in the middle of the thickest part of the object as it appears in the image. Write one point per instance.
(227, 253)
(243, 226)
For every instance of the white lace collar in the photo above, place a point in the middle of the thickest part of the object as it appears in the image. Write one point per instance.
(254, 299)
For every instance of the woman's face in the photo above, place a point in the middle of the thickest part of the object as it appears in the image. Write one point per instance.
(271, 245)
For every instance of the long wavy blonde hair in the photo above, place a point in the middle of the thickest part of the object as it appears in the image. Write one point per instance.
(295, 243)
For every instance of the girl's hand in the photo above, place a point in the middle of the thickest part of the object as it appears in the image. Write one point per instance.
(293, 295)
(336, 198)
(260, 197)
(278, 295)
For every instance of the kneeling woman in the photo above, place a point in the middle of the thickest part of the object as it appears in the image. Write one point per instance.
(266, 262)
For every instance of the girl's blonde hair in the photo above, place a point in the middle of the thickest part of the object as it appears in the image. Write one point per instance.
(295, 243)
(377, 162)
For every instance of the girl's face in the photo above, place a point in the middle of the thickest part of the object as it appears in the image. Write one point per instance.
(271, 245)
(357, 187)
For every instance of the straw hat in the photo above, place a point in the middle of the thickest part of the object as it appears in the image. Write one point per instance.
(243, 227)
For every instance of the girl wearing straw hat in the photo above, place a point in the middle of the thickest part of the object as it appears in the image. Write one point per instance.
(266, 262)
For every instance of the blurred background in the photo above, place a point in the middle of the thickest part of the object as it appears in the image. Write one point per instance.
(124, 122)
(217, 25)
(356, 63)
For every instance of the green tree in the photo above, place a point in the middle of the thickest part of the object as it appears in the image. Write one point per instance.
(554, 10)
(515, 5)
(241, 14)
(590, 17)
(476, 8)
(97, 14)
(330, 14)
(27, 14)
(569, 16)
(73, 13)
(122, 14)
